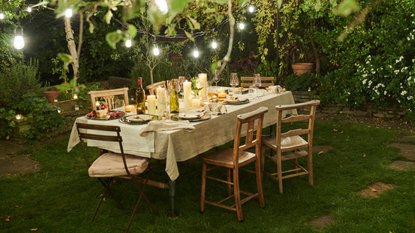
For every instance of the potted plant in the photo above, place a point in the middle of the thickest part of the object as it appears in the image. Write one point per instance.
(302, 67)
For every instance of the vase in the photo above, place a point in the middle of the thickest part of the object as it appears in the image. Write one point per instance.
(51, 95)
(301, 68)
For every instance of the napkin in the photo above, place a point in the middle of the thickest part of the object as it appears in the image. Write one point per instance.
(154, 126)
(276, 89)
(214, 109)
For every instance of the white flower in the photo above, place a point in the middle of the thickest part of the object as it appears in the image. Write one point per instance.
(401, 58)
(403, 92)
(408, 38)
(384, 93)
(364, 75)
(396, 71)
(348, 93)
(413, 60)
(412, 15)
(390, 66)
(396, 62)
(370, 83)
(367, 62)
(364, 81)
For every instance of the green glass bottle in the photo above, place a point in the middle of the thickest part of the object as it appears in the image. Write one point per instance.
(140, 96)
(174, 99)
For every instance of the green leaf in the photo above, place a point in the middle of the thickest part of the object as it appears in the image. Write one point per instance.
(318, 5)
(108, 16)
(347, 7)
(66, 58)
(189, 36)
(132, 30)
(171, 31)
(91, 28)
(242, 2)
(209, 10)
(113, 38)
(220, 1)
(177, 6)
(195, 23)
(214, 66)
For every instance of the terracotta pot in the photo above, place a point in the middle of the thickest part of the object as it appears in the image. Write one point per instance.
(51, 95)
(301, 68)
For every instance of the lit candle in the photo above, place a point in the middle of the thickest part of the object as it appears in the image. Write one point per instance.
(187, 94)
(161, 100)
(221, 89)
(75, 96)
(151, 100)
(128, 108)
(203, 84)
(18, 117)
(196, 103)
(222, 95)
(97, 103)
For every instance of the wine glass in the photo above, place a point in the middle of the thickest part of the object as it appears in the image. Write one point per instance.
(234, 81)
(257, 83)
(216, 78)
(177, 87)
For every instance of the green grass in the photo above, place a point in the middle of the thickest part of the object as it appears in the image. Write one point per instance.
(62, 198)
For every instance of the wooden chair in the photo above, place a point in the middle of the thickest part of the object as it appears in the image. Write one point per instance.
(265, 81)
(112, 165)
(291, 141)
(108, 96)
(151, 88)
(235, 158)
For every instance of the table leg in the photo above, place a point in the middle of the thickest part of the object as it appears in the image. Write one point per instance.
(172, 195)
(272, 134)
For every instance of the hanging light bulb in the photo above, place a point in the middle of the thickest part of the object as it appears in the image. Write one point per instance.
(68, 13)
(128, 43)
(1, 15)
(29, 9)
(75, 96)
(162, 5)
(241, 26)
(214, 45)
(18, 38)
(195, 53)
(19, 117)
(156, 51)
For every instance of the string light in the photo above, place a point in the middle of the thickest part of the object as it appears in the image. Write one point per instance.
(18, 38)
(68, 13)
(214, 44)
(251, 8)
(128, 43)
(241, 26)
(195, 53)
(1, 15)
(29, 9)
(156, 50)
(162, 5)
(18, 117)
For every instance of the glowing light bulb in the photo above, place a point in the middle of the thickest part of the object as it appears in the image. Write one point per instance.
(18, 117)
(196, 53)
(162, 5)
(128, 43)
(68, 13)
(59, 111)
(29, 9)
(1, 16)
(241, 26)
(97, 104)
(75, 96)
(251, 8)
(156, 51)
(18, 42)
(214, 45)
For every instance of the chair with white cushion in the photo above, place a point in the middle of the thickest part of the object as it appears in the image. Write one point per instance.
(291, 142)
(114, 165)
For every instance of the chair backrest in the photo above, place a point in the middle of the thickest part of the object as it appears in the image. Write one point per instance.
(151, 88)
(310, 105)
(249, 118)
(116, 137)
(265, 81)
(108, 96)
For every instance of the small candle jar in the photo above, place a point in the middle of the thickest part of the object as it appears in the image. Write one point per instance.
(128, 108)
(222, 95)
(196, 103)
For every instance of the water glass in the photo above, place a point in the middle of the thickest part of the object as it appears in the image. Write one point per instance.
(257, 83)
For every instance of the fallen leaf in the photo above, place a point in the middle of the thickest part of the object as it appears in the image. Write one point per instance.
(334, 130)
(369, 126)
(8, 219)
(17, 206)
(373, 190)
(8, 136)
(34, 229)
(364, 155)
(347, 136)
(341, 132)
(341, 166)
(404, 193)
(321, 152)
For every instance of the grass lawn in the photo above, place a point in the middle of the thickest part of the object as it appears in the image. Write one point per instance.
(61, 197)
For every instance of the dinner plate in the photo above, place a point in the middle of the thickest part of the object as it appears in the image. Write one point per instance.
(207, 116)
(189, 115)
(139, 119)
(105, 118)
(236, 102)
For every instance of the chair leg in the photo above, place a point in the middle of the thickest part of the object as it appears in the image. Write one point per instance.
(279, 167)
(236, 191)
(310, 167)
(258, 175)
(228, 178)
(262, 159)
(202, 195)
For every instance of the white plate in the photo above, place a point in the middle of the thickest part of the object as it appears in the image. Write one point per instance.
(189, 115)
(236, 101)
(139, 118)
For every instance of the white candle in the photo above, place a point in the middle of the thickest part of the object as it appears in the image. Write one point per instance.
(151, 99)
(187, 94)
(161, 101)
(221, 89)
(203, 84)
(196, 103)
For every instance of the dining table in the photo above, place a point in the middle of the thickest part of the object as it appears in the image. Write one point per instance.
(181, 145)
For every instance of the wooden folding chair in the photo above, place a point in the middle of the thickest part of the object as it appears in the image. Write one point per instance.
(234, 159)
(265, 81)
(152, 88)
(108, 96)
(112, 165)
(291, 141)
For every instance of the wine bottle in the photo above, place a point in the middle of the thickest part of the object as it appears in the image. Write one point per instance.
(174, 99)
(140, 96)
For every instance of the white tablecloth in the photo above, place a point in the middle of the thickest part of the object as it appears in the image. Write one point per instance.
(178, 145)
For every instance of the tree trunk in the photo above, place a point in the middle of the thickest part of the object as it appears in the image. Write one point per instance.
(72, 47)
(151, 75)
(316, 54)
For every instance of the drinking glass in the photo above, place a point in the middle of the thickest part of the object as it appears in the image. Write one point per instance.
(257, 83)
(234, 81)
(216, 78)
(178, 87)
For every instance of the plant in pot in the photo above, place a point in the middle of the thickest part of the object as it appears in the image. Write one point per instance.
(302, 66)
